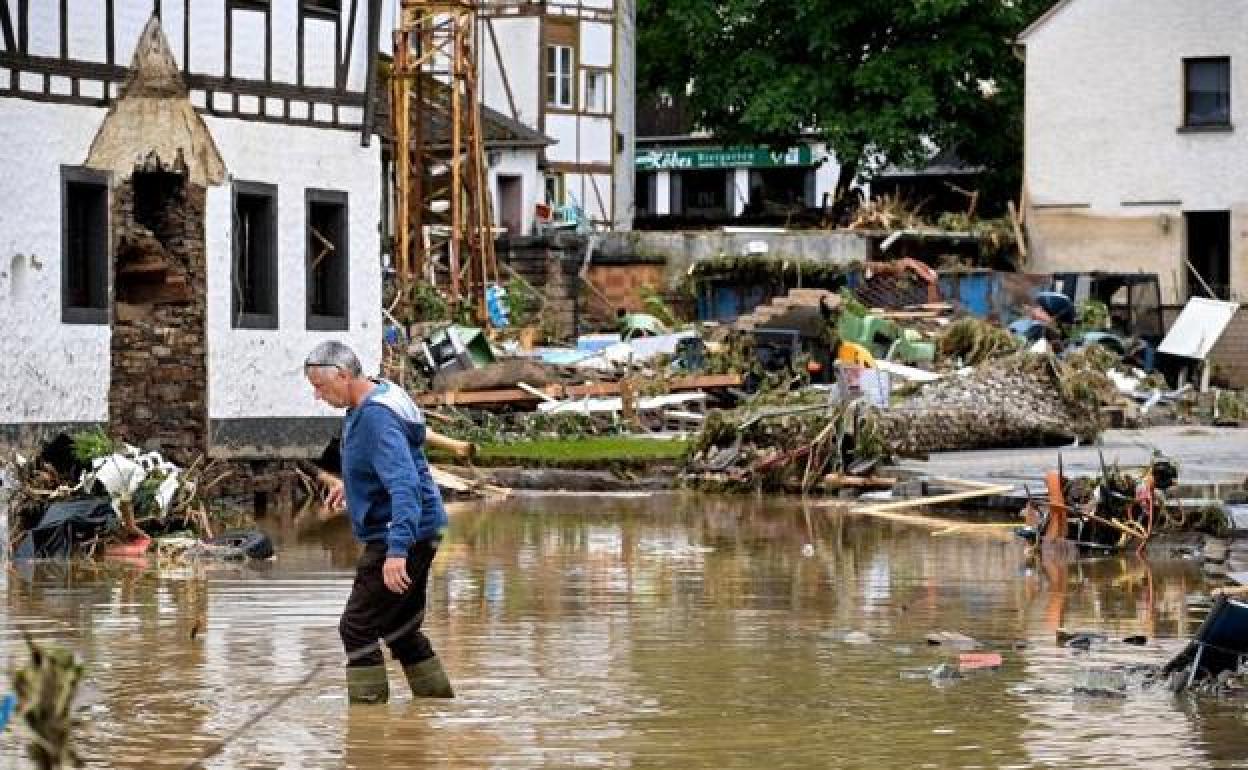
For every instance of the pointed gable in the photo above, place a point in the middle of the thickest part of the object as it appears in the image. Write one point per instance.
(153, 121)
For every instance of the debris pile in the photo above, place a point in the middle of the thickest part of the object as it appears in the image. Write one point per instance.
(88, 496)
(1023, 400)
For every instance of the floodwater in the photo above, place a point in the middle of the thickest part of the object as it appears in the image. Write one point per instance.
(666, 632)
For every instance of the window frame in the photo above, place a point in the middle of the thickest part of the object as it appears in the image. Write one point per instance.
(1220, 125)
(589, 73)
(316, 321)
(313, 9)
(239, 319)
(99, 273)
(556, 77)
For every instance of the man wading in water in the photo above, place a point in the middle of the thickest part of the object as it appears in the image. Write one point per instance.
(396, 511)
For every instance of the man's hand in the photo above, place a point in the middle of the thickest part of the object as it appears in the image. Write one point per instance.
(335, 495)
(394, 572)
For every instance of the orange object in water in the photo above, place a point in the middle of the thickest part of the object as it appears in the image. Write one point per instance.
(1056, 527)
(969, 661)
(814, 367)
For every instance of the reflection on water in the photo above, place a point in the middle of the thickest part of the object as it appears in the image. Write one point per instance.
(676, 632)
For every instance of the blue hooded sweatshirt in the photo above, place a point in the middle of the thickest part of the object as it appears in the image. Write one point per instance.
(391, 495)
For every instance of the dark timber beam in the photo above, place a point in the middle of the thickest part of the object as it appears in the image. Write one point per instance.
(6, 27)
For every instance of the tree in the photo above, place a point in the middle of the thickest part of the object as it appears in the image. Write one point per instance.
(879, 80)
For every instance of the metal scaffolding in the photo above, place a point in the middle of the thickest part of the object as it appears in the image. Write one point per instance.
(443, 228)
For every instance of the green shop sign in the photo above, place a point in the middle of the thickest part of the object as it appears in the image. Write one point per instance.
(735, 157)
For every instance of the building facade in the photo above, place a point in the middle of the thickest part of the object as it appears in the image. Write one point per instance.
(1133, 153)
(192, 201)
(565, 69)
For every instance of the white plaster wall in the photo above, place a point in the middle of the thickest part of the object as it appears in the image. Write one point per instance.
(522, 163)
(519, 43)
(258, 373)
(285, 61)
(45, 30)
(563, 129)
(131, 18)
(1105, 99)
(597, 141)
(318, 53)
(248, 45)
(207, 55)
(86, 24)
(54, 372)
(597, 45)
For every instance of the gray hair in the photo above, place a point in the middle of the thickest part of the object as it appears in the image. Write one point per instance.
(336, 355)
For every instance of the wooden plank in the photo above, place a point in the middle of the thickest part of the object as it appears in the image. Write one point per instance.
(514, 395)
(954, 497)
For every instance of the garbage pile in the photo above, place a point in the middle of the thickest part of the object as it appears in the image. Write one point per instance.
(87, 496)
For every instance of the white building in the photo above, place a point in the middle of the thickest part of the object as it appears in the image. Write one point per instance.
(164, 269)
(1133, 155)
(566, 69)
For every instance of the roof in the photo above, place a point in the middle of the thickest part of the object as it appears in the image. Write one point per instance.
(1057, 8)
(500, 131)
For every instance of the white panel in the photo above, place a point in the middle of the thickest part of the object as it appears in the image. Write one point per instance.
(256, 373)
(299, 110)
(45, 28)
(114, 90)
(249, 105)
(199, 98)
(597, 48)
(131, 18)
(357, 76)
(222, 102)
(600, 205)
(318, 53)
(597, 143)
(172, 19)
(86, 30)
(323, 113)
(28, 81)
(285, 58)
(519, 42)
(274, 108)
(604, 4)
(56, 372)
(208, 37)
(248, 44)
(62, 86)
(353, 115)
(562, 128)
(5, 74)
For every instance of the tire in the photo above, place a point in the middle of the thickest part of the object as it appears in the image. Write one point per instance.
(252, 542)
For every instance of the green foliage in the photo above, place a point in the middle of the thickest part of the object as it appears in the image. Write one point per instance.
(656, 306)
(599, 452)
(523, 304)
(880, 80)
(90, 444)
(1093, 315)
(974, 341)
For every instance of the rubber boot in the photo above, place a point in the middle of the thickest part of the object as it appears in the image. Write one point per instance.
(428, 679)
(367, 684)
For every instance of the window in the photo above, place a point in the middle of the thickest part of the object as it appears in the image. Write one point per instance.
(554, 189)
(598, 91)
(254, 275)
(327, 260)
(84, 246)
(559, 76)
(1207, 96)
(249, 5)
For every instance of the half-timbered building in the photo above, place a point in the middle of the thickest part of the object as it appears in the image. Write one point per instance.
(190, 201)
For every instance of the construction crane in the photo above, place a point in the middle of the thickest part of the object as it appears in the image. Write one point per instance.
(441, 182)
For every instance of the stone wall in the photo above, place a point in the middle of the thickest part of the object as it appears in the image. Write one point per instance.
(158, 375)
(550, 265)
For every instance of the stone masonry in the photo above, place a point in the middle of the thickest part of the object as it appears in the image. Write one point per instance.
(158, 381)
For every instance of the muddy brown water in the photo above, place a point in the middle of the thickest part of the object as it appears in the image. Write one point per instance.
(666, 632)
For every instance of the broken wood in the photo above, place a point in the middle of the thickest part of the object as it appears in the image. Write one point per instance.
(955, 497)
(514, 395)
(845, 481)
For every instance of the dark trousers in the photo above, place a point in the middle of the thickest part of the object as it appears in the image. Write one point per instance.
(374, 613)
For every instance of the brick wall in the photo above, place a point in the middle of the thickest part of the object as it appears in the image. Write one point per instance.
(622, 284)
